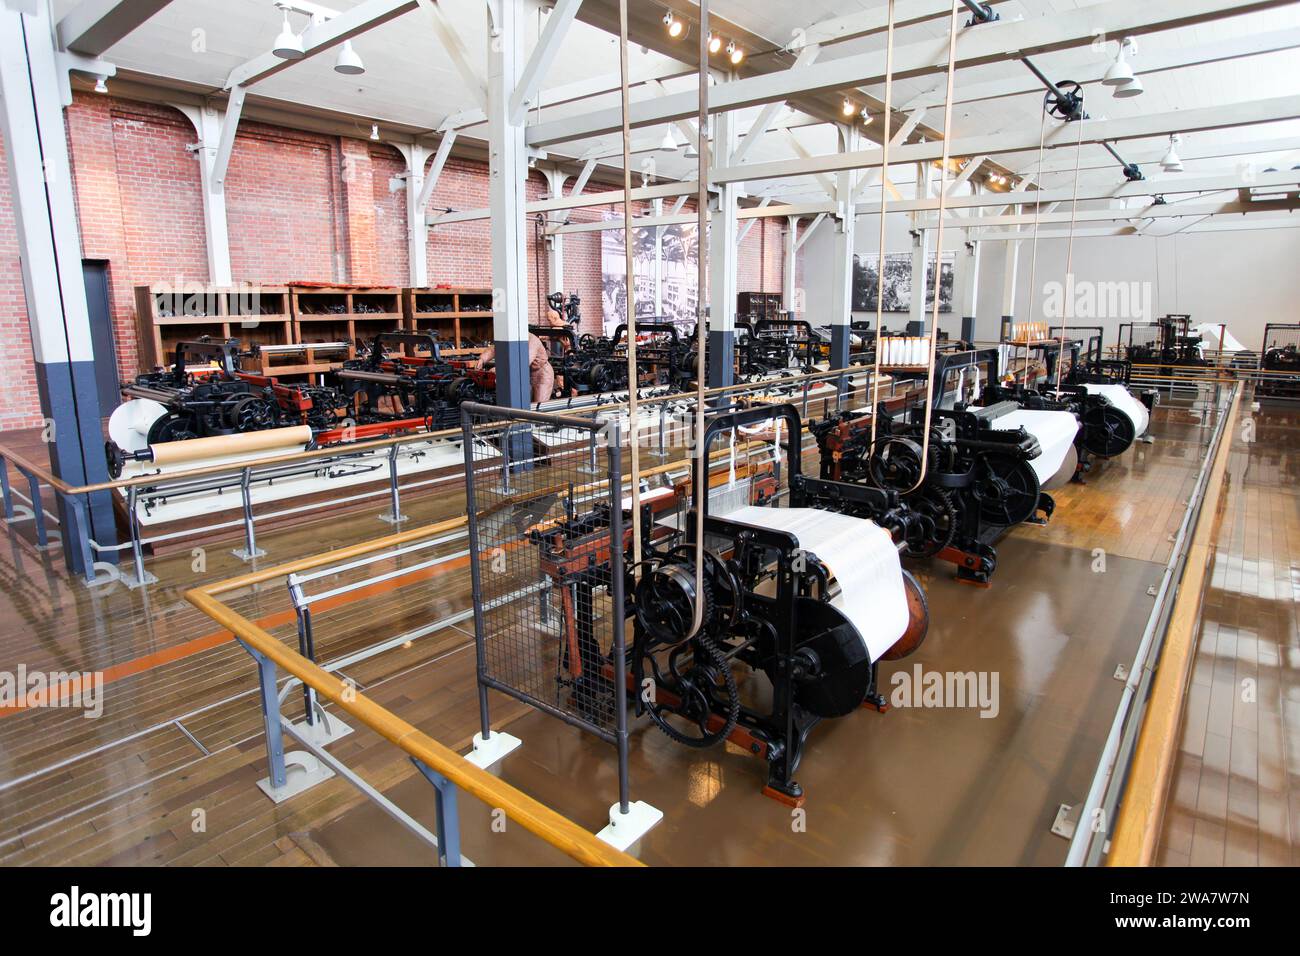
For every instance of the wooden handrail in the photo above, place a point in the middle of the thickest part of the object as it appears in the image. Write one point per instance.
(556, 829)
(1141, 814)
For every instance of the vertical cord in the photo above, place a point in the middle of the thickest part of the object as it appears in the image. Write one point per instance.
(1038, 212)
(701, 314)
(938, 248)
(1069, 250)
(633, 422)
(884, 192)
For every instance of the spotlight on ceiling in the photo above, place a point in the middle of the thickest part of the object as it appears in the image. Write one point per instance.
(348, 61)
(1120, 75)
(288, 45)
(669, 141)
(101, 86)
(715, 42)
(735, 54)
(674, 26)
(374, 132)
(848, 109)
(866, 116)
(1171, 163)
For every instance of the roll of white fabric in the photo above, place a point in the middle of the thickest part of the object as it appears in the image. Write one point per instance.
(1055, 432)
(130, 422)
(863, 559)
(1123, 399)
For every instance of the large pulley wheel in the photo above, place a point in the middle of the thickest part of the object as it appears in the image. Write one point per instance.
(1065, 102)
(895, 464)
(835, 666)
(918, 621)
(250, 413)
(173, 426)
(1107, 431)
(1007, 490)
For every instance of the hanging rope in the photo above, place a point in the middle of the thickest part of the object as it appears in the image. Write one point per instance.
(1069, 251)
(1033, 259)
(633, 419)
(701, 316)
(938, 250)
(884, 202)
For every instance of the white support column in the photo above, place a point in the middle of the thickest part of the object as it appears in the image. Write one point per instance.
(722, 259)
(842, 257)
(49, 252)
(208, 123)
(507, 175)
(789, 266)
(920, 254)
(659, 260)
(417, 231)
(555, 180)
(1010, 275)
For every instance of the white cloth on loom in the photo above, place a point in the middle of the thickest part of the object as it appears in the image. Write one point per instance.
(863, 559)
(1123, 399)
(1055, 432)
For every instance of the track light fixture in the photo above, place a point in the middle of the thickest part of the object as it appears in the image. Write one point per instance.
(374, 132)
(101, 84)
(848, 109)
(674, 26)
(1120, 75)
(735, 54)
(866, 116)
(1171, 163)
(288, 45)
(715, 42)
(348, 61)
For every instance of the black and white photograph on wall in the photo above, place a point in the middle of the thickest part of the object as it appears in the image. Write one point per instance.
(675, 262)
(898, 282)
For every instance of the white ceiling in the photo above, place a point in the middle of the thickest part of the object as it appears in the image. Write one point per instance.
(408, 79)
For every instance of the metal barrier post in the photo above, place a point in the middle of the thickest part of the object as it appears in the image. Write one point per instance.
(394, 515)
(590, 468)
(447, 813)
(38, 512)
(142, 577)
(306, 645)
(476, 584)
(250, 550)
(4, 489)
(270, 717)
(82, 515)
(662, 453)
(614, 452)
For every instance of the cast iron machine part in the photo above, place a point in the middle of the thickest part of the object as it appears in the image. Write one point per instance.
(767, 606)
(1281, 353)
(979, 481)
(206, 395)
(567, 308)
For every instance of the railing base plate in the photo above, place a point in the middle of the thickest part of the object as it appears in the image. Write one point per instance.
(487, 752)
(302, 772)
(626, 828)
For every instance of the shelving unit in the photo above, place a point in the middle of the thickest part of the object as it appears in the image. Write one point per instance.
(759, 305)
(342, 314)
(462, 318)
(256, 315)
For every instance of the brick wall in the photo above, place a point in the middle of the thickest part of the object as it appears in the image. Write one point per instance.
(299, 206)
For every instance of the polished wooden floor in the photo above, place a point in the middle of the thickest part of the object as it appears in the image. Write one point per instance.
(1236, 790)
(167, 774)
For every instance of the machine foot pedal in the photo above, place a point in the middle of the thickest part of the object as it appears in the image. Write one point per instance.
(489, 751)
(626, 828)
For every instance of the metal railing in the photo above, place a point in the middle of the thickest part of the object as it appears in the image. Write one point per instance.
(1107, 788)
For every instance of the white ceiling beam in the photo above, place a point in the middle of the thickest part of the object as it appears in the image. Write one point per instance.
(760, 211)
(1013, 141)
(1146, 64)
(1235, 224)
(1153, 211)
(606, 198)
(543, 55)
(863, 22)
(986, 43)
(226, 143)
(807, 233)
(323, 36)
(749, 224)
(92, 26)
(1168, 186)
(456, 51)
(1190, 149)
(807, 56)
(827, 184)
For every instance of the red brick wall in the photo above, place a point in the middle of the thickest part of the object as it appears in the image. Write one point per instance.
(300, 206)
(19, 403)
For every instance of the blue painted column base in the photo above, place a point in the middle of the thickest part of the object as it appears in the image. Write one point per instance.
(722, 358)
